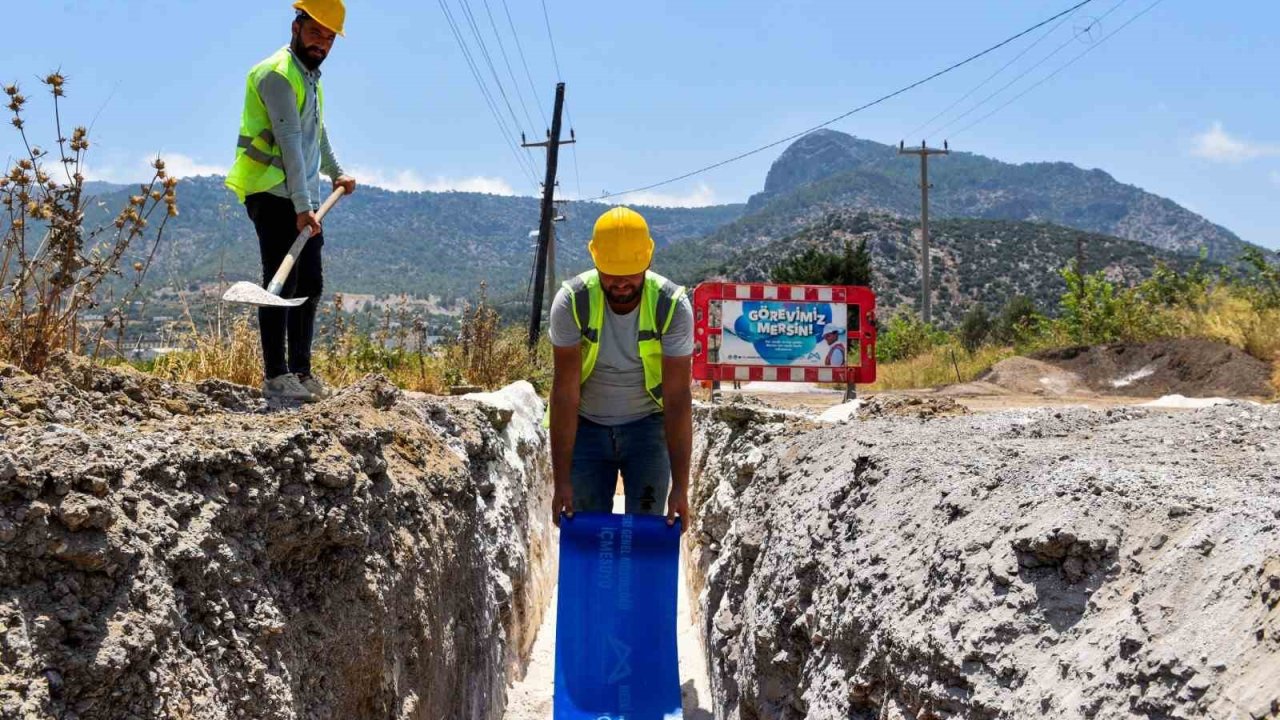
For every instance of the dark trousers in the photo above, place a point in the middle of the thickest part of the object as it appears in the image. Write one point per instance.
(637, 450)
(277, 225)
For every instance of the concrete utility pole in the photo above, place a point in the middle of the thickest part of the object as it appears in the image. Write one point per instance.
(552, 144)
(924, 151)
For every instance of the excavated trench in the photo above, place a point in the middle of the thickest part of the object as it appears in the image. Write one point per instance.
(190, 552)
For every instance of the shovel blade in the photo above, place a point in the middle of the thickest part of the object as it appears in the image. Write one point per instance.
(250, 294)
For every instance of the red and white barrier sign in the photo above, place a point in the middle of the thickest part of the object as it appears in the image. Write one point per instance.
(788, 333)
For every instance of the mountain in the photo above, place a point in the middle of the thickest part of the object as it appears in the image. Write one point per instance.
(987, 261)
(447, 244)
(383, 242)
(826, 169)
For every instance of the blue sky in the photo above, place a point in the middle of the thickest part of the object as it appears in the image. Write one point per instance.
(1182, 102)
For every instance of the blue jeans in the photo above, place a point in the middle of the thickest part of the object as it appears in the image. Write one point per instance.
(638, 450)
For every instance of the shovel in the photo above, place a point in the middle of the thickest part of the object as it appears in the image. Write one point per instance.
(250, 294)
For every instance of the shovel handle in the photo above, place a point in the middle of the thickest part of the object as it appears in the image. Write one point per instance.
(286, 266)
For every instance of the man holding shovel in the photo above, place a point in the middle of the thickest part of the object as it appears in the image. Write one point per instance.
(282, 150)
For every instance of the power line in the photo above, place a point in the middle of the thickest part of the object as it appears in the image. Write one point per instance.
(484, 50)
(990, 77)
(1026, 72)
(858, 109)
(577, 179)
(554, 57)
(516, 83)
(1068, 64)
(484, 92)
(533, 89)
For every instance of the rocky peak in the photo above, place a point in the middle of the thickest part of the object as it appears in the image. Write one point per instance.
(817, 156)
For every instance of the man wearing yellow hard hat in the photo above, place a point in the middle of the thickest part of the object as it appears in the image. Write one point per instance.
(620, 398)
(282, 150)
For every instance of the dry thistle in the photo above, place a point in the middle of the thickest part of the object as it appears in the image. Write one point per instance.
(69, 270)
(55, 81)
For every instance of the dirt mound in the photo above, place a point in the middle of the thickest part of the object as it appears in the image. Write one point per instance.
(176, 551)
(74, 391)
(1035, 377)
(913, 406)
(1187, 366)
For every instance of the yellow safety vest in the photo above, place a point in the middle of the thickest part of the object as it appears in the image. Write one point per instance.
(657, 308)
(259, 164)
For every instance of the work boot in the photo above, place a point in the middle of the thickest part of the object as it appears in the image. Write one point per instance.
(287, 387)
(315, 386)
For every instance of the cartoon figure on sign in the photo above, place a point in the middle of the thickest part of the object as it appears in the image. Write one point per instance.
(834, 348)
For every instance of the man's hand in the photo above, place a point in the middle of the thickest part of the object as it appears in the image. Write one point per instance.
(308, 220)
(678, 504)
(346, 182)
(561, 500)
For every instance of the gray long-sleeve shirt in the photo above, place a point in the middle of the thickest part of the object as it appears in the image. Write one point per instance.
(301, 136)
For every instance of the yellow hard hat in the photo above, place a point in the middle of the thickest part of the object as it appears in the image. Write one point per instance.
(620, 243)
(329, 13)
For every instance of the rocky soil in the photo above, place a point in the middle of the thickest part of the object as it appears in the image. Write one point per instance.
(1049, 563)
(189, 552)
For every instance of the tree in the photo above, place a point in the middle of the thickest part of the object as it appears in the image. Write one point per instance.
(815, 267)
(975, 328)
(857, 264)
(1017, 320)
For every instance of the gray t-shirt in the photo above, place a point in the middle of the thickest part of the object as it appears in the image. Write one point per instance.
(615, 392)
(303, 140)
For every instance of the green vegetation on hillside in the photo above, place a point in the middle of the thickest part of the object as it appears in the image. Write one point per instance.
(1237, 307)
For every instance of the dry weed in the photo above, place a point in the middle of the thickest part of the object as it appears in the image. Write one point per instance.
(53, 270)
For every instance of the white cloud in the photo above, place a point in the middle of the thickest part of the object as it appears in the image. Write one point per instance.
(700, 196)
(1218, 145)
(411, 181)
(141, 170)
(182, 166)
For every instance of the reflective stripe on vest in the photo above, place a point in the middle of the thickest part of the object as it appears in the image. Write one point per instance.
(259, 164)
(657, 309)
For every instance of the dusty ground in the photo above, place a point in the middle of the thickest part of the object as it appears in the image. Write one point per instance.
(1067, 563)
(190, 552)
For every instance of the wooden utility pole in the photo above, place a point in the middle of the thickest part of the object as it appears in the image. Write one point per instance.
(924, 151)
(552, 144)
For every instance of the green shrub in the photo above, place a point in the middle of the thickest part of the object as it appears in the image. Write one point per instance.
(975, 328)
(905, 337)
(1018, 321)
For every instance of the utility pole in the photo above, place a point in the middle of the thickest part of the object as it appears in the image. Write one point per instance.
(552, 144)
(924, 151)
(552, 277)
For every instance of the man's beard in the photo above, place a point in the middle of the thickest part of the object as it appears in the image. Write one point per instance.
(620, 299)
(305, 56)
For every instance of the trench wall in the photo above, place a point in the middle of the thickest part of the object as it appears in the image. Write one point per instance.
(377, 555)
(1068, 564)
